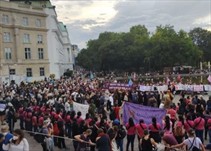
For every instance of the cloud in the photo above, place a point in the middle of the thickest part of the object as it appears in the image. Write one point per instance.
(85, 19)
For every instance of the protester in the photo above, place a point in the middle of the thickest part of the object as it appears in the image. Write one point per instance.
(17, 143)
(131, 131)
(140, 130)
(103, 141)
(147, 143)
(84, 141)
(154, 129)
(191, 142)
(199, 124)
(7, 135)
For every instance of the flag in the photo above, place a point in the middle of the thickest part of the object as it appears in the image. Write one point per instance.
(130, 82)
(209, 78)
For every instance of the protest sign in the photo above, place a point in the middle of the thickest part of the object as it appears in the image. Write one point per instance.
(82, 108)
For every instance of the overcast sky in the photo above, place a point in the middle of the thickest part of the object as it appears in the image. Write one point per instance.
(85, 19)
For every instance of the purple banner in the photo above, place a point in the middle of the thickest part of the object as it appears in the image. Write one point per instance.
(122, 86)
(138, 112)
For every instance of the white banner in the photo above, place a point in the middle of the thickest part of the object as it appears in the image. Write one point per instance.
(198, 88)
(83, 108)
(207, 87)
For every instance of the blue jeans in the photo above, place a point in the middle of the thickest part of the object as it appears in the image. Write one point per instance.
(200, 134)
(119, 143)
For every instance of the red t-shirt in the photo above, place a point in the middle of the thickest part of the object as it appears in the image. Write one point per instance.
(140, 130)
(199, 123)
(188, 125)
(34, 120)
(209, 123)
(172, 113)
(116, 111)
(131, 130)
(153, 129)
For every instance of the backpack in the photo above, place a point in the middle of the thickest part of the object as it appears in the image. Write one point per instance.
(121, 133)
(38, 136)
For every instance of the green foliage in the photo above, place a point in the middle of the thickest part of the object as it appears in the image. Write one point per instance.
(138, 49)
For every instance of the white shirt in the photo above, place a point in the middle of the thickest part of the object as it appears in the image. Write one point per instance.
(22, 146)
(196, 142)
(67, 107)
(111, 99)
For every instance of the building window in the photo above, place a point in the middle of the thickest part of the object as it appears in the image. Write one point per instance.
(29, 72)
(40, 53)
(25, 21)
(12, 71)
(8, 53)
(39, 39)
(38, 23)
(5, 19)
(26, 38)
(42, 71)
(7, 37)
(27, 53)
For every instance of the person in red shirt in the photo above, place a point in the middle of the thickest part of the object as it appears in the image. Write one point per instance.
(189, 124)
(173, 115)
(154, 130)
(34, 122)
(131, 131)
(199, 124)
(116, 111)
(140, 130)
(209, 128)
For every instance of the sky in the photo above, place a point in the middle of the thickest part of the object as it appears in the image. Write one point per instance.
(86, 19)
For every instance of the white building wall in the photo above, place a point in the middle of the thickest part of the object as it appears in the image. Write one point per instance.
(58, 42)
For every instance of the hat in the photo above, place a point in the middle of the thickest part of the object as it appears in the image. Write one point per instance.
(116, 122)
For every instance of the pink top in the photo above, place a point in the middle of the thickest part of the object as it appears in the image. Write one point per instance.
(188, 125)
(153, 129)
(179, 123)
(172, 113)
(140, 130)
(199, 126)
(131, 130)
(209, 124)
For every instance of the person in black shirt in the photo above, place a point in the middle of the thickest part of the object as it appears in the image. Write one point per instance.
(147, 143)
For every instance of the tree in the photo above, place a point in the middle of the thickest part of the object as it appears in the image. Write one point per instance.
(202, 38)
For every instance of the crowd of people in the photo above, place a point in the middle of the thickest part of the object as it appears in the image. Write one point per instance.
(45, 110)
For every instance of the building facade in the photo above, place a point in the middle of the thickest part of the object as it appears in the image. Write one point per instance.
(33, 44)
(59, 46)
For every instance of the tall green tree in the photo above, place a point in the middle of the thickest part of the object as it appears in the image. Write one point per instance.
(202, 38)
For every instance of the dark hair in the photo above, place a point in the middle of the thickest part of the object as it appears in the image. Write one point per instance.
(154, 122)
(146, 132)
(20, 133)
(181, 119)
(87, 116)
(141, 121)
(78, 114)
(131, 122)
(167, 122)
(100, 130)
